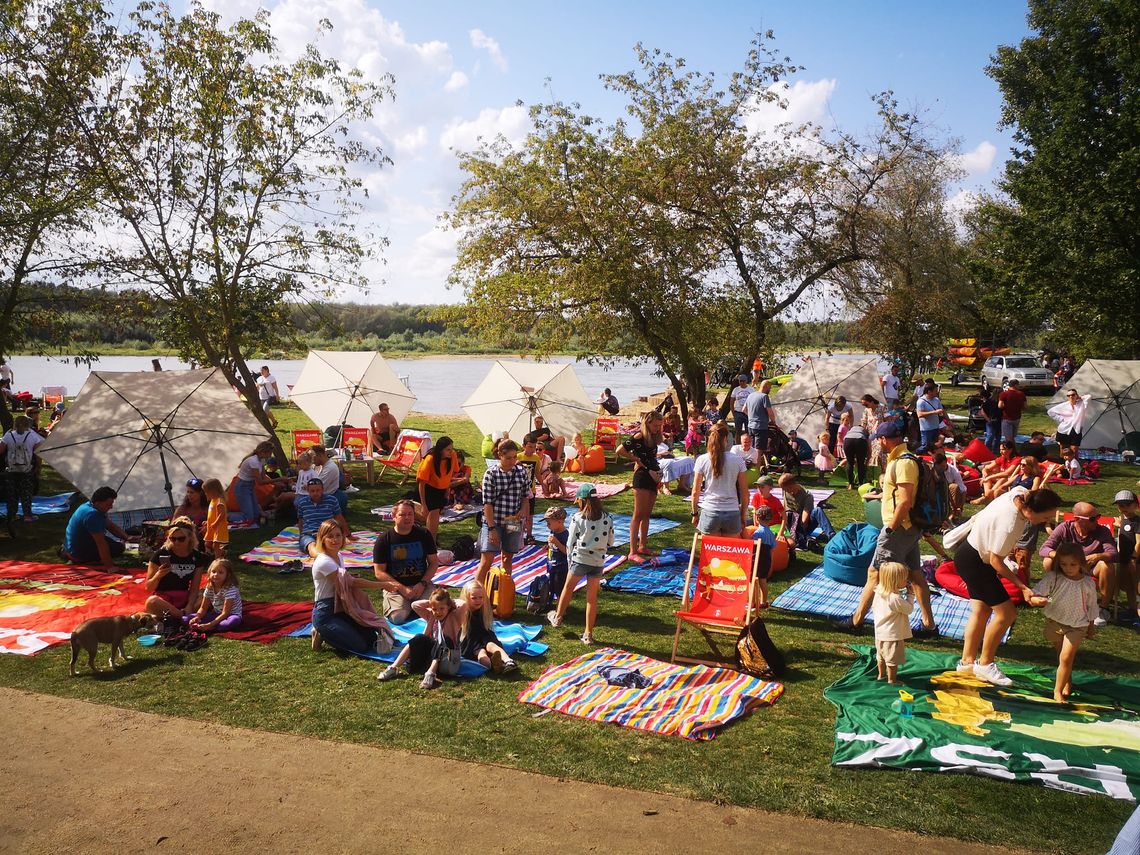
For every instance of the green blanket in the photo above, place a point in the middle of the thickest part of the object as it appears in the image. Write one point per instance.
(960, 724)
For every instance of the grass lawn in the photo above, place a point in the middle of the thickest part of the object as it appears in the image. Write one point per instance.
(777, 758)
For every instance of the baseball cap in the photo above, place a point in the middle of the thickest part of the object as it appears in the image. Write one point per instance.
(764, 481)
(554, 513)
(585, 491)
(888, 430)
(743, 378)
(1125, 496)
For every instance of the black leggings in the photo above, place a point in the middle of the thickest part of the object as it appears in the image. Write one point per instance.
(832, 436)
(856, 449)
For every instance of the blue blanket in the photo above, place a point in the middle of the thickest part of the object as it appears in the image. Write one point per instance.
(41, 505)
(664, 575)
(815, 594)
(541, 533)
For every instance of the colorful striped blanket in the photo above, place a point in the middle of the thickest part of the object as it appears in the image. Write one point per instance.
(816, 594)
(528, 566)
(284, 548)
(541, 533)
(447, 515)
(692, 702)
(819, 495)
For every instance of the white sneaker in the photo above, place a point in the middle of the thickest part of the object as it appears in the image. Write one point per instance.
(964, 667)
(553, 617)
(991, 674)
(429, 681)
(389, 673)
(1101, 619)
(587, 638)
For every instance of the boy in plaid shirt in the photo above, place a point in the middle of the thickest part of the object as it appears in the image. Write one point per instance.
(505, 489)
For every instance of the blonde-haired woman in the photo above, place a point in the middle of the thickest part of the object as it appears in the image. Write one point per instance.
(720, 487)
(174, 574)
(642, 447)
(477, 639)
(343, 615)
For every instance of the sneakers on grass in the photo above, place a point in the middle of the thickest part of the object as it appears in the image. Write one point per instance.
(1101, 619)
(991, 674)
(497, 663)
(553, 617)
(964, 667)
(509, 665)
(587, 638)
(389, 673)
(430, 681)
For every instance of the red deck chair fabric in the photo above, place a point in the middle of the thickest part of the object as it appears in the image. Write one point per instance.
(405, 457)
(303, 440)
(723, 600)
(606, 432)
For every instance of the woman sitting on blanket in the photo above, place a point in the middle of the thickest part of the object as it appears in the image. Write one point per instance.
(343, 614)
(435, 651)
(461, 493)
(477, 639)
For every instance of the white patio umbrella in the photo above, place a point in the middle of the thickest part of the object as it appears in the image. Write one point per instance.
(513, 393)
(801, 403)
(145, 432)
(1112, 417)
(346, 388)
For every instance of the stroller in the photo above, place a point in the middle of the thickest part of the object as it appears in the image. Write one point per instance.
(781, 455)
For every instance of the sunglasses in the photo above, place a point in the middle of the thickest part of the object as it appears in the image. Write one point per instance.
(180, 539)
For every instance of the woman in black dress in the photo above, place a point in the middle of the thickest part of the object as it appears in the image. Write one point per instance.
(642, 447)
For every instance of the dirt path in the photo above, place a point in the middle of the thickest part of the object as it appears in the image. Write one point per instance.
(79, 777)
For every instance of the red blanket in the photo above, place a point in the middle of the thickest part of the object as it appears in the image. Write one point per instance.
(266, 622)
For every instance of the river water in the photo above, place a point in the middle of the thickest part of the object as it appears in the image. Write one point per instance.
(440, 383)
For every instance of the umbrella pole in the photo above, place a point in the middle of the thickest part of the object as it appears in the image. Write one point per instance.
(167, 486)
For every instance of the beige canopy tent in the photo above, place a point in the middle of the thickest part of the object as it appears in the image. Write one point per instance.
(801, 403)
(1112, 418)
(145, 434)
(513, 393)
(346, 388)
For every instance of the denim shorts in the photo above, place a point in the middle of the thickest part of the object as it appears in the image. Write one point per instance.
(509, 542)
(720, 522)
(304, 540)
(586, 570)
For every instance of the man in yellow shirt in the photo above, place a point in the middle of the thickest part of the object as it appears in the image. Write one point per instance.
(898, 538)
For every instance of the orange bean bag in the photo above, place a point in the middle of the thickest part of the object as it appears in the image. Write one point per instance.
(595, 462)
(261, 491)
(781, 552)
(947, 576)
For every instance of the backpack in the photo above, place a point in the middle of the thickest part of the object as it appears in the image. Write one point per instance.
(20, 455)
(501, 591)
(931, 506)
(463, 548)
(755, 652)
(538, 597)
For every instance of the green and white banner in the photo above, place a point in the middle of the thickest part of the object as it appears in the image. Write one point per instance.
(957, 723)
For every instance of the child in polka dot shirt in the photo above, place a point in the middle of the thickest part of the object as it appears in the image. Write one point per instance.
(591, 534)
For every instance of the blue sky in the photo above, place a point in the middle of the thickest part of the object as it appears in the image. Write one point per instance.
(461, 67)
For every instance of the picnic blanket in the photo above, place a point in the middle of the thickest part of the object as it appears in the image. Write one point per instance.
(40, 604)
(1103, 454)
(527, 566)
(266, 622)
(58, 504)
(663, 575)
(692, 702)
(517, 639)
(447, 515)
(961, 724)
(570, 486)
(815, 594)
(541, 533)
(284, 548)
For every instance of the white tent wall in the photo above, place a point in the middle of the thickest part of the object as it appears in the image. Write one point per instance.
(1114, 409)
(801, 403)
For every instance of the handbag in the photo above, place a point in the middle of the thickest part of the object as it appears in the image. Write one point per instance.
(385, 640)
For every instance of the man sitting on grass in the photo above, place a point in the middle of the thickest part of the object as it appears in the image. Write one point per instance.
(803, 517)
(86, 541)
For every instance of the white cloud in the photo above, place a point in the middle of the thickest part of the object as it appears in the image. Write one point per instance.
(979, 160)
(806, 102)
(457, 81)
(512, 122)
(482, 41)
(411, 142)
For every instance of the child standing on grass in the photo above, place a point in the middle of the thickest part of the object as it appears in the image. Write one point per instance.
(217, 533)
(1071, 605)
(766, 541)
(221, 601)
(557, 555)
(591, 534)
(824, 459)
(435, 651)
(477, 639)
(891, 611)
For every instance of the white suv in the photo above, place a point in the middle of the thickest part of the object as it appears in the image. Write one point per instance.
(1024, 367)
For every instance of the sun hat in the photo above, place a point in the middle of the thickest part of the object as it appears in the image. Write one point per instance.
(585, 491)
(554, 513)
(1125, 496)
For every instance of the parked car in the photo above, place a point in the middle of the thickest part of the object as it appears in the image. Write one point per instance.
(1025, 367)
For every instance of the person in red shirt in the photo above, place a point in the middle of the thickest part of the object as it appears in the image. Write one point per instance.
(763, 497)
(1011, 402)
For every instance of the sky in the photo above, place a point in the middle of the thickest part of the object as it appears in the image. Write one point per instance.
(461, 70)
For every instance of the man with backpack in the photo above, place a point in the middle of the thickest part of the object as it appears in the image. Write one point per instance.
(899, 537)
(18, 449)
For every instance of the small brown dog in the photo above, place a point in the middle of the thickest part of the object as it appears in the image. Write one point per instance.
(107, 630)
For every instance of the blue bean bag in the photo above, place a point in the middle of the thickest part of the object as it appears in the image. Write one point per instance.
(848, 554)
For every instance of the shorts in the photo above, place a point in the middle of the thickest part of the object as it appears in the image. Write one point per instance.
(900, 545)
(892, 653)
(1057, 631)
(585, 570)
(303, 542)
(176, 597)
(642, 480)
(1069, 438)
(1009, 428)
(720, 522)
(435, 499)
(981, 579)
(266, 403)
(509, 542)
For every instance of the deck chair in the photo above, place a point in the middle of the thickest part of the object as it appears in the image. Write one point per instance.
(52, 395)
(408, 451)
(303, 440)
(607, 430)
(724, 601)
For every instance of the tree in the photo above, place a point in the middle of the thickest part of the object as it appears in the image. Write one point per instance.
(677, 235)
(230, 179)
(1072, 96)
(51, 54)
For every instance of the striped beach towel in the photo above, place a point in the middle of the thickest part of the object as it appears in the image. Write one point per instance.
(692, 702)
(541, 533)
(284, 548)
(528, 566)
(816, 594)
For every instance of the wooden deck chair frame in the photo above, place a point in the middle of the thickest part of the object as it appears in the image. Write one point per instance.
(710, 629)
(400, 460)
